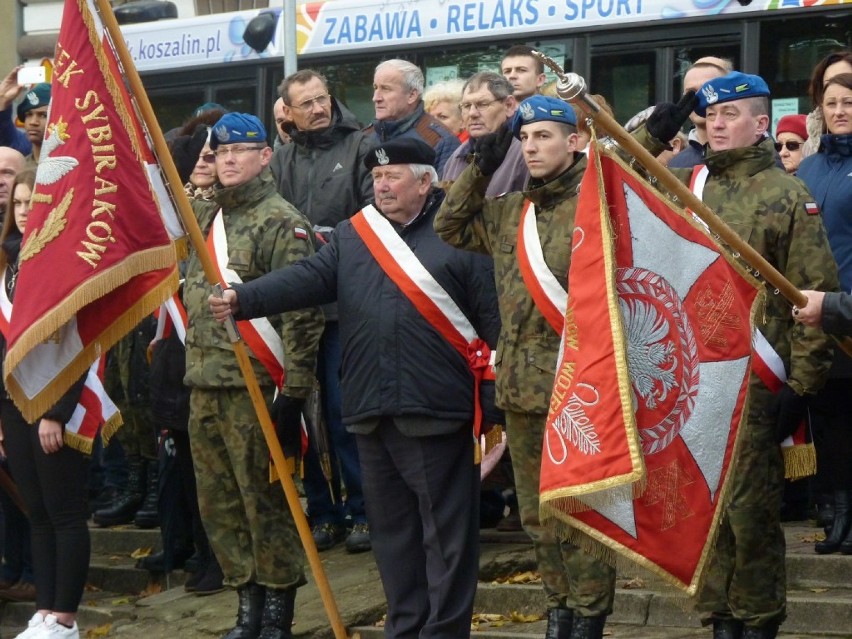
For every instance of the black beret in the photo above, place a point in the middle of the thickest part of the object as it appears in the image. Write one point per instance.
(400, 151)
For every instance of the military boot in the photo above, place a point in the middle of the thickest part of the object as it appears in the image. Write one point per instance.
(148, 515)
(840, 526)
(277, 619)
(559, 622)
(727, 629)
(128, 500)
(588, 627)
(249, 610)
(769, 631)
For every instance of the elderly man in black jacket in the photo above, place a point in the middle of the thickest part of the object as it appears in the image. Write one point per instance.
(411, 379)
(322, 173)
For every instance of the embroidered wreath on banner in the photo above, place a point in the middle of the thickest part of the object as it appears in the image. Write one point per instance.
(662, 356)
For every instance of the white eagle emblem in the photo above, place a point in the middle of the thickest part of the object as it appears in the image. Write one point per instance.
(53, 168)
(527, 112)
(32, 98)
(382, 157)
(650, 351)
(710, 95)
(222, 133)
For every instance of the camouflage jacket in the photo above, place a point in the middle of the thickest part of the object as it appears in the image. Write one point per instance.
(262, 236)
(766, 208)
(528, 345)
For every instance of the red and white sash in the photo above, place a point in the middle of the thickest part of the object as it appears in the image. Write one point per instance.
(550, 298)
(430, 299)
(259, 334)
(171, 316)
(95, 407)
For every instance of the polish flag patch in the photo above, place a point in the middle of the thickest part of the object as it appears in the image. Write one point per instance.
(811, 208)
(300, 233)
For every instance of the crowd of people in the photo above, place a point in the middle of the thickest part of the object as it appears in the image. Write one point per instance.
(379, 267)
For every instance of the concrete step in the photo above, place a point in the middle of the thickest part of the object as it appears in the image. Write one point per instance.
(123, 539)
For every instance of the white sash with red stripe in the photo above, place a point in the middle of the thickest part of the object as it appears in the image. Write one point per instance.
(550, 298)
(427, 295)
(259, 334)
(171, 316)
(700, 173)
(95, 407)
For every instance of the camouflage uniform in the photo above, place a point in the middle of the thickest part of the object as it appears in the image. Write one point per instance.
(526, 356)
(250, 528)
(766, 208)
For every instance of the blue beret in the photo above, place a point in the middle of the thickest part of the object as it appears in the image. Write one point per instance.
(734, 86)
(237, 128)
(400, 151)
(540, 108)
(38, 96)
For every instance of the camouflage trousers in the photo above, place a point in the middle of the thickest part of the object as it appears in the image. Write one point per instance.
(746, 577)
(571, 578)
(246, 518)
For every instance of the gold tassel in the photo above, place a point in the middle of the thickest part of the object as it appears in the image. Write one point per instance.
(799, 461)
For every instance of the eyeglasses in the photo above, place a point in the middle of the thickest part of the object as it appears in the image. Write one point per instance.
(306, 106)
(236, 150)
(210, 158)
(791, 146)
(480, 106)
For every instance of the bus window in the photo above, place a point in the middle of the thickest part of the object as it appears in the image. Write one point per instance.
(796, 45)
(237, 98)
(684, 56)
(352, 84)
(626, 80)
(174, 106)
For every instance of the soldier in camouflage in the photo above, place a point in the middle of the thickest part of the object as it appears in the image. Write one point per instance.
(250, 528)
(744, 596)
(579, 587)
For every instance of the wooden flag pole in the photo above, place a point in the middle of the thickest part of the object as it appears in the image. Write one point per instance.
(198, 243)
(572, 88)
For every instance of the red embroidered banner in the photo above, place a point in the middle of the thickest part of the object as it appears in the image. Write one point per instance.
(96, 256)
(652, 380)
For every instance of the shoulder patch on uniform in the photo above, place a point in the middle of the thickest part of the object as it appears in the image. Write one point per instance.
(300, 233)
(811, 208)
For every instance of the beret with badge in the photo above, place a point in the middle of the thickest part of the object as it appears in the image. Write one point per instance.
(237, 128)
(400, 151)
(734, 86)
(38, 96)
(540, 108)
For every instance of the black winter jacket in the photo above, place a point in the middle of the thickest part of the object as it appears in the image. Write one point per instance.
(322, 173)
(394, 363)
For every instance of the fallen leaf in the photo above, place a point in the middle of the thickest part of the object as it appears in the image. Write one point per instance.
(633, 584)
(152, 589)
(139, 553)
(527, 577)
(818, 589)
(99, 631)
(120, 602)
(517, 617)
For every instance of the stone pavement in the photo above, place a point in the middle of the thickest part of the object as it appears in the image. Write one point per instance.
(820, 598)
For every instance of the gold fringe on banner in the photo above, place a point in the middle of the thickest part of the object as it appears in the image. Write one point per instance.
(799, 461)
(41, 330)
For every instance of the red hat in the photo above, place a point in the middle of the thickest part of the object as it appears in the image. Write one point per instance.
(793, 124)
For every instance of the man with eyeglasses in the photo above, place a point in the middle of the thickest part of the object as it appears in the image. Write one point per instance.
(744, 594)
(398, 100)
(487, 106)
(538, 220)
(322, 173)
(252, 231)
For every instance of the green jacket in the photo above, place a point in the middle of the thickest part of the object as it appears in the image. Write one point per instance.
(528, 345)
(264, 233)
(766, 208)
